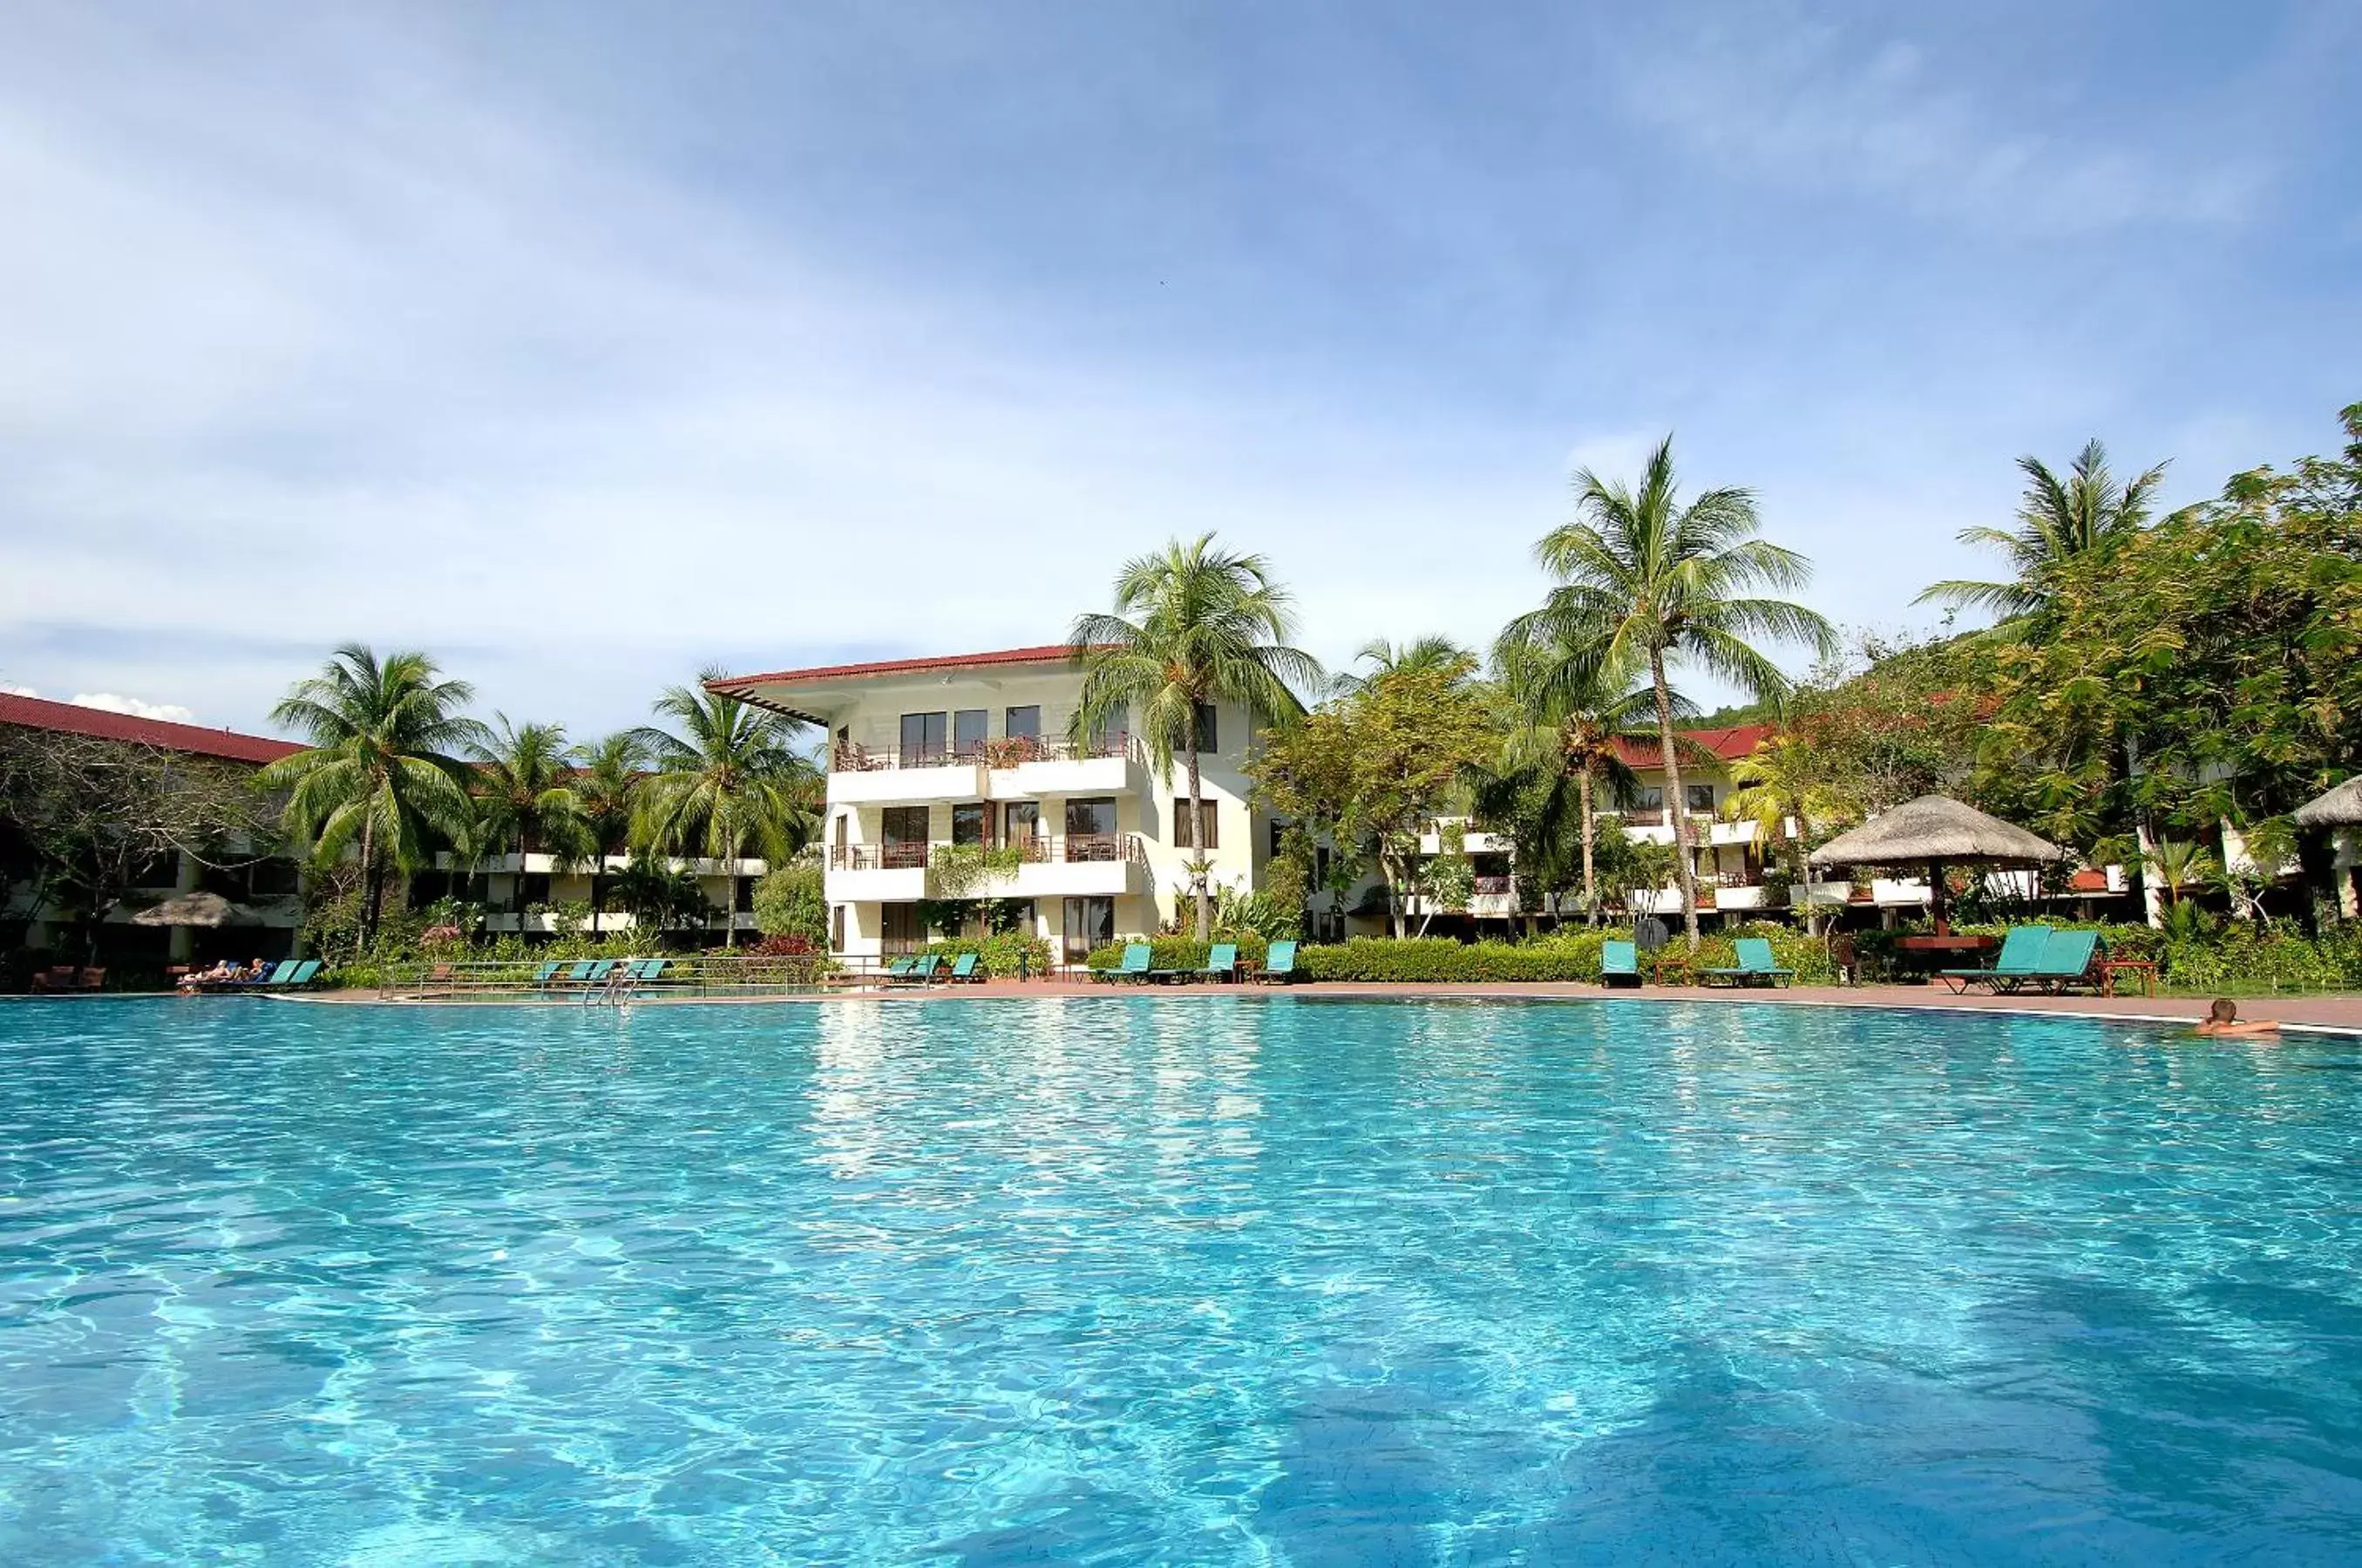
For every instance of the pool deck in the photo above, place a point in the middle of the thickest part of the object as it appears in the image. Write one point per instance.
(2338, 1012)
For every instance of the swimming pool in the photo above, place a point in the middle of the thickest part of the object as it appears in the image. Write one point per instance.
(1204, 1280)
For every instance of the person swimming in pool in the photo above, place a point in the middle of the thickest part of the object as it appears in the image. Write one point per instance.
(2223, 1019)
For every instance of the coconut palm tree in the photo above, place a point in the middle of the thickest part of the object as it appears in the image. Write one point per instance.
(607, 781)
(2057, 519)
(1384, 658)
(730, 783)
(381, 773)
(1567, 711)
(1777, 783)
(527, 798)
(1194, 623)
(1648, 581)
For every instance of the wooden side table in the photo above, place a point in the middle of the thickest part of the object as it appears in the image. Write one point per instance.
(1680, 965)
(2143, 970)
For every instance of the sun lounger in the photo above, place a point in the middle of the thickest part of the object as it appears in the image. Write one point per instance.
(920, 971)
(1221, 962)
(1619, 963)
(306, 973)
(2068, 958)
(2020, 958)
(1755, 964)
(546, 974)
(964, 967)
(1278, 964)
(1136, 957)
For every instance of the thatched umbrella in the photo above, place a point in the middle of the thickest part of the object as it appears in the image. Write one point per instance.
(208, 910)
(1937, 830)
(2341, 807)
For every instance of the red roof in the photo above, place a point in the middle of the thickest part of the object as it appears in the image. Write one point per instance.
(1727, 744)
(1053, 653)
(39, 714)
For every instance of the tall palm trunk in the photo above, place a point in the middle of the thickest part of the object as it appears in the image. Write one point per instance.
(1590, 880)
(1674, 805)
(372, 890)
(1198, 838)
(730, 918)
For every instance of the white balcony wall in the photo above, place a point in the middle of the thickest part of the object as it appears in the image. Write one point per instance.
(907, 786)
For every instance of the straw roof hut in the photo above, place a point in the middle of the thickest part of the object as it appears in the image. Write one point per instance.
(2341, 807)
(1935, 829)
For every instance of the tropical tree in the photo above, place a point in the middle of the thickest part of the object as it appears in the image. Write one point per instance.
(525, 798)
(2058, 520)
(1384, 658)
(1647, 580)
(1193, 624)
(607, 781)
(1568, 710)
(1782, 780)
(383, 774)
(730, 783)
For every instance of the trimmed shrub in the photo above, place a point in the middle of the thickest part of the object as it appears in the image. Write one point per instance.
(1176, 952)
(999, 955)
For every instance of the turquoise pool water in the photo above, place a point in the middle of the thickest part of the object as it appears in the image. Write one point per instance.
(1172, 1280)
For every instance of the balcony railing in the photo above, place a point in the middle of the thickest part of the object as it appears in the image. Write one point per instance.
(1039, 849)
(1488, 887)
(1010, 751)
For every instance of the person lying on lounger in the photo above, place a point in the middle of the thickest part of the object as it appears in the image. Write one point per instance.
(223, 970)
(2222, 1018)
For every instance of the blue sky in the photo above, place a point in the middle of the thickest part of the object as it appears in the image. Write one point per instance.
(582, 345)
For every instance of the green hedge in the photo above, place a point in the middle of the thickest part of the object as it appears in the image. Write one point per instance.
(1000, 952)
(1176, 952)
(2235, 955)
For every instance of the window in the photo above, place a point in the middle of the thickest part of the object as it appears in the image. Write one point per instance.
(1210, 733)
(1022, 723)
(1108, 735)
(837, 929)
(1651, 798)
(1022, 821)
(1320, 867)
(900, 930)
(1700, 796)
(1278, 835)
(967, 823)
(537, 888)
(1209, 815)
(906, 836)
(967, 731)
(1090, 830)
(922, 740)
(1089, 922)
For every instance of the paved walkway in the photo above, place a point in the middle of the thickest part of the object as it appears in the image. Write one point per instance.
(2340, 1012)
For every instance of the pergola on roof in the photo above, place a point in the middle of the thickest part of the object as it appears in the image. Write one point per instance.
(1935, 827)
(2341, 807)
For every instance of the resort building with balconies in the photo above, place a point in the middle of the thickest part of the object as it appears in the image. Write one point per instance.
(962, 779)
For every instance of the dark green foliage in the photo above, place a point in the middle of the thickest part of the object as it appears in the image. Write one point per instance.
(998, 952)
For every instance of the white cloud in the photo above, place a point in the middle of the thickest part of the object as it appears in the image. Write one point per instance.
(1811, 108)
(18, 690)
(111, 702)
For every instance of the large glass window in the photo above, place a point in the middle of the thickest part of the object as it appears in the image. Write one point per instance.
(968, 821)
(1022, 723)
(1700, 796)
(1109, 732)
(1088, 923)
(923, 739)
(900, 928)
(1090, 829)
(1210, 733)
(967, 731)
(905, 835)
(1183, 839)
(1022, 821)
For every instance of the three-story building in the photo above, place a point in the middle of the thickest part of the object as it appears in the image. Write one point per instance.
(963, 779)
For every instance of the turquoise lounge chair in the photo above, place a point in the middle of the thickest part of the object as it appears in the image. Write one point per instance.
(1136, 957)
(1619, 963)
(2068, 958)
(1278, 964)
(964, 968)
(899, 969)
(546, 974)
(1221, 962)
(280, 975)
(1755, 963)
(2020, 958)
(304, 973)
(922, 970)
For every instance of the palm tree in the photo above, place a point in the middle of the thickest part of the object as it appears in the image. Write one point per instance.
(729, 784)
(1193, 624)
(2057, 520)
(382, 773)
(607, 781)
(2178, 864)
(1568, 711)
(1777, 782)
(525, 798)
(1646, 581)
(1384, 658)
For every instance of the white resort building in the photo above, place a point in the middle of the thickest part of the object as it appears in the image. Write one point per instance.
(958, 778)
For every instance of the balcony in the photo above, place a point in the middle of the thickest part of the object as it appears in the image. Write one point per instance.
(1049, 866)
(1016, 768)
